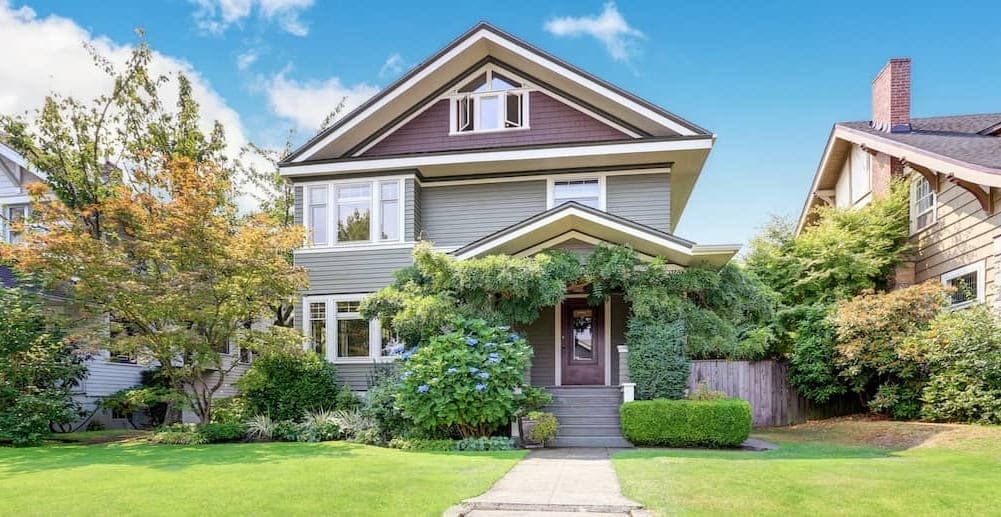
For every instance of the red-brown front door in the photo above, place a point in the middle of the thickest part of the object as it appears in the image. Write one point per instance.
(583, 346)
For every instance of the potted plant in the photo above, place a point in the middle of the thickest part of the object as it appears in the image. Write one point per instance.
(530, 399)
(542, 429)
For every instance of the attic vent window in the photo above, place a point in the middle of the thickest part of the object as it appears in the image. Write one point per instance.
(491, 101)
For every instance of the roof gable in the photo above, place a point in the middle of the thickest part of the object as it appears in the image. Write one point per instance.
(428, 80)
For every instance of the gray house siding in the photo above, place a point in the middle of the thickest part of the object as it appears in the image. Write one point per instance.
(409, 209)
(355, 375)
(297, 207)
(550, 122)
(643, 198)
(540, 335)
(418, 213)
(617, 331)
(456, 215)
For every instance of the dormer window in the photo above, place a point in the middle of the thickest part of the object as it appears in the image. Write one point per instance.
(491, 101)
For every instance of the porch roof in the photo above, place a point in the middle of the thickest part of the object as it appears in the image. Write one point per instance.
(574, 220)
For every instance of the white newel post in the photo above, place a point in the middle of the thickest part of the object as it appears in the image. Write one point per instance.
(628, 387)
(628, 391)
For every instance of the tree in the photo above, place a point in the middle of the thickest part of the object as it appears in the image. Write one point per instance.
(39, 368)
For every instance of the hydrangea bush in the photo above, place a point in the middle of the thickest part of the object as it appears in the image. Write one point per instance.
(465, 380)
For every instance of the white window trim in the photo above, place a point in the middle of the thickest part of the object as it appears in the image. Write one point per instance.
(375, 213)
(374, 329)
(977, 267)
(551, 185)
(912, 207)
(525, 90)
(6, 231)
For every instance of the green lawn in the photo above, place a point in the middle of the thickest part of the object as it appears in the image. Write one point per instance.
(840, 467)
(241, 479)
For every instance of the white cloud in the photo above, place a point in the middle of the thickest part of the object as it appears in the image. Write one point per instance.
(610, 28)
(44, 55)
(244, 60)
(392, 67)
(216, 16)
(307, 103)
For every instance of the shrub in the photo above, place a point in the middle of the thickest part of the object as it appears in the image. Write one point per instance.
(347, 399)
(287, 431)
(485, 443)
(871, 333)
(151, 400)
(286, 385)
(421, 444)
(964, 357)
(380, 407)
(217, 432)
(533, 398)
(319, 426)
(465, 379)
(261, 427)
(812, 368)
(359, 428)
(545, 428)
(177, 438)
(687, 423)
(657, 362)
(231, 410)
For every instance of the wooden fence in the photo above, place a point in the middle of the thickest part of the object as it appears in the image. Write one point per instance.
(765, 384)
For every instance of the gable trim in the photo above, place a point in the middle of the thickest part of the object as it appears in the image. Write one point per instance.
(571, 235)
(536, 83)
(518, 46)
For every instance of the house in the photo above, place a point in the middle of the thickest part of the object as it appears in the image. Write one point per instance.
(953, 166)
(493, 146)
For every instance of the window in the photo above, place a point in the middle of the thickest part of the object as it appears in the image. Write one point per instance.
(922, 204)
(389, 211)
(586, 191)
(318, 233)
(351, 337)
(317, 331)
(969, 284)
(14, 215)
(354, 212)
(490, 102)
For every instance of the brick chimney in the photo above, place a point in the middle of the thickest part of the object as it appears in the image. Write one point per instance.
(891, 97)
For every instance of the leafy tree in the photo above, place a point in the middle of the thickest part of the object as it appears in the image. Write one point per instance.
(39, 368)
(812, 370)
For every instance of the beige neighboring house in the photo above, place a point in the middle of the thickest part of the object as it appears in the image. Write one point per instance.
(953, 164)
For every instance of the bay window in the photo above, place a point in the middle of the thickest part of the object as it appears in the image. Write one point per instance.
(337, 331)
(354, 212)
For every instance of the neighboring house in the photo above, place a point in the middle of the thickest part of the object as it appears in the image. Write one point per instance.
(953, 166)
(491, 146)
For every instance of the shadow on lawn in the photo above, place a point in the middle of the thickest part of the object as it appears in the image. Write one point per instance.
(786, 451)
(166, 457)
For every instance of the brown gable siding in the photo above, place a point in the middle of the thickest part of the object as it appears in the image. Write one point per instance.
(550, 122)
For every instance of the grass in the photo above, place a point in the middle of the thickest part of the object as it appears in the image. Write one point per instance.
(333, 478)
(835, 467)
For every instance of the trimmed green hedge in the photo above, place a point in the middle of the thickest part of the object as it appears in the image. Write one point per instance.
(687, 423)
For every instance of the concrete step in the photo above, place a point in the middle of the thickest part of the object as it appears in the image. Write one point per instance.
(589, 420)
(590, 441)
(589, 430)
(582, 410)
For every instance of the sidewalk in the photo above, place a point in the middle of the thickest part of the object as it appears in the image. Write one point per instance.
(550, 482)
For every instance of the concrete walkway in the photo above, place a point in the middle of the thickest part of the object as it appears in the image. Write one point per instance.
(552, 482)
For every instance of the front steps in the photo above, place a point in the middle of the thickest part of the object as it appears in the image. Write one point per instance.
(588, 416)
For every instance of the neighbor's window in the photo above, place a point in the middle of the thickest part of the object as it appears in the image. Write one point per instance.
(318, 328)
(389, 211)
(584, 191)
(968, 283)
(922, 204)
(490, 102)
(14, 215)
(354, 204)
(318, 232)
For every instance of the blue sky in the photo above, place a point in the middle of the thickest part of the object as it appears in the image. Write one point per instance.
(769, 80)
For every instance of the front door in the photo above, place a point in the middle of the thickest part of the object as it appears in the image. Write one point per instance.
(583, 346)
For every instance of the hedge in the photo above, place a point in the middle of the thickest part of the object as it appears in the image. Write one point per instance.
(687, 423)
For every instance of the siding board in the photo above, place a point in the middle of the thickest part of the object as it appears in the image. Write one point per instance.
(456, 215)
(540, 335)
(643, 198)
(360, 271)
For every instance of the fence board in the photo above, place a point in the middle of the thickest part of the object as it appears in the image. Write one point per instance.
(765, 384)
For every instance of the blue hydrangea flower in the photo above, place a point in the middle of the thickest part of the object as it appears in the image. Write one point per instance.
(423, 388)
(514, 336)
(493, 357)
(405, 374)
(395, 349)
(452, 370)
(473, 369)
(471, 341)
(484, 375)
(406, 355)
(491, 344)
(480, 387)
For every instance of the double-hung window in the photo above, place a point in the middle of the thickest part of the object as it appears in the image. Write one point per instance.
(336, 330)
(922, 204)
(13, 216)
(968, 285)
(354, 212)
(586, 191)
(491, 101)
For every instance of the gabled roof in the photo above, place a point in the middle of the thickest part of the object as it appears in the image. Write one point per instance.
(19, 161)
(964, 146)
(575, 218)
(482, 42)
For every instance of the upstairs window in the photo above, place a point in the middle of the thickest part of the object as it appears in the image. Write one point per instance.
(922, 204)
(354, 219)
(968, 283)
(354, 212)
(586, 191)
(490, 102)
